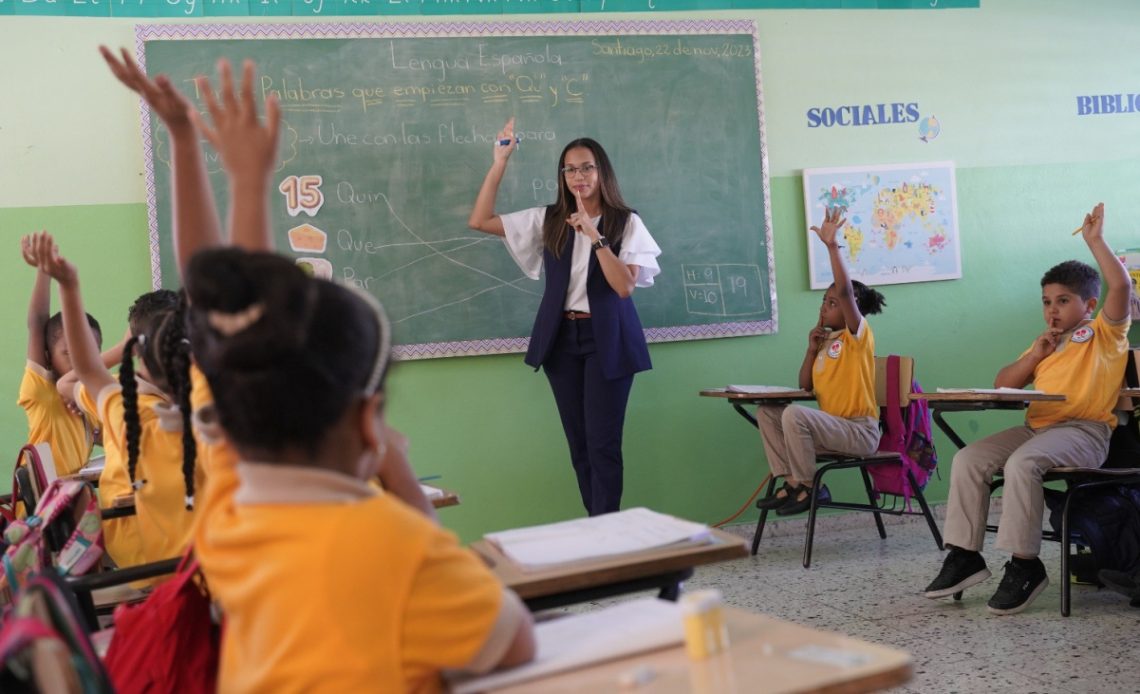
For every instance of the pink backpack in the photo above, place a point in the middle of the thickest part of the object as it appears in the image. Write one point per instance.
(906, 432)
(28, 551)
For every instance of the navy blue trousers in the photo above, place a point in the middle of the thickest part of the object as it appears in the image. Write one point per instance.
(592, 408)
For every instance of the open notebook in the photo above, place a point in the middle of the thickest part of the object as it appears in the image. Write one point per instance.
(576, 641)
(632, 530)
(992, 391)
(760, 389)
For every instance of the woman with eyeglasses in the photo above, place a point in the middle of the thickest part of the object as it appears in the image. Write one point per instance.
(587, 337)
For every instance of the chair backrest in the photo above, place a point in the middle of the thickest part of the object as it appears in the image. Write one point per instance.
(1131, 380)
(906, 375)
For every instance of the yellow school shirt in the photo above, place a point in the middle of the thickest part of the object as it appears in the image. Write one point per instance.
(338, 596)
(1088, 368)
(843, 375)
(71, 436)
(161, 527)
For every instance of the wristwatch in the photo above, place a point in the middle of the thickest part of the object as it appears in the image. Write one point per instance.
(601, 243)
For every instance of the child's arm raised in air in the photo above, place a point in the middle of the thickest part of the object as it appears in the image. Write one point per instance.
(195, 215)
(39, 308)
(1116, 307)
(483, 217)
(85, 357)
(248, 151)
(833, 221)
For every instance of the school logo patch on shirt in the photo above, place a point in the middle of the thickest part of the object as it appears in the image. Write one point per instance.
(834, 349)
(1082, 334)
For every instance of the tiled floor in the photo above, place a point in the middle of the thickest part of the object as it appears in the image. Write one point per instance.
(871, 588)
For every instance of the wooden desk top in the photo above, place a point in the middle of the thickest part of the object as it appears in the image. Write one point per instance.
(933, 398)
(758, 660)
(608, 570)
(449, 498)
(756, 397)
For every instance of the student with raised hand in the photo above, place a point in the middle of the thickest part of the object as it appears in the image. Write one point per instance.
(587, 336)
(1077, 355)
(327, 583)
(150, 451)
(70, 432)
(839, 366)
(248, 151)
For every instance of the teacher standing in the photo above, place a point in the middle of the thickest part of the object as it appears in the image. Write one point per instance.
(587, 337)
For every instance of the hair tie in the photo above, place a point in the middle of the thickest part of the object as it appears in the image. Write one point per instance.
(190, 502)
(137, 484)
(230, 324)
(141, 339)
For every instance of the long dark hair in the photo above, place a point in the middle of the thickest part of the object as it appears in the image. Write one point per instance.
(285, 354)
(157, 321)
(615, 213)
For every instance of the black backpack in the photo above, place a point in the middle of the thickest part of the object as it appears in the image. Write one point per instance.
(1107, 521)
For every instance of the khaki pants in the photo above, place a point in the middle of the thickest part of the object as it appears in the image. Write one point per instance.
(793, 435)
(1024, 456)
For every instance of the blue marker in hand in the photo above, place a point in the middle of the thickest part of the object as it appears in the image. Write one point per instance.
(506, 141)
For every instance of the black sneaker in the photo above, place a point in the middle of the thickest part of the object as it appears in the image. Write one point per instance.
(1120, 582)
(775, 499)
(1019, 587)
(793, 504)
(961, 569)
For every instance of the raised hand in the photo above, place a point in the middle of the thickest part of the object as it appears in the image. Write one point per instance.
(833, 221)
(503, 152)
(1093, 227)
(246, 146)
(27, 250)
(581, 221)
(51, 262)
(167, 102)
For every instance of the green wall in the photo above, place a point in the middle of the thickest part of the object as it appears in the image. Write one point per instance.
(1002, 80)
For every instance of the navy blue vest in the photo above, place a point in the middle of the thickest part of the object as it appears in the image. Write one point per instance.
(618, 336)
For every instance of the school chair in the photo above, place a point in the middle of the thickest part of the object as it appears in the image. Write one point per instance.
(1080, 481)
(876, 500)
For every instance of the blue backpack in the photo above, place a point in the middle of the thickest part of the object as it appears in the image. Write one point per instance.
(907, 432)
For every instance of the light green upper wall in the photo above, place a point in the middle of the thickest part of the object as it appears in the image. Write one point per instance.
(1002, 80)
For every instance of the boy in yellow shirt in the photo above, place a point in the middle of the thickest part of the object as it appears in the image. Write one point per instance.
(1078, 356)
(70, 432)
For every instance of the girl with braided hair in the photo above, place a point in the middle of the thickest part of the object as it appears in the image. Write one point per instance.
(149, 450)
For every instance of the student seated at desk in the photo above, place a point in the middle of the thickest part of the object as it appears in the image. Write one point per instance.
(327, 584)
(840, 367)
(1078, 356)
(71, 434)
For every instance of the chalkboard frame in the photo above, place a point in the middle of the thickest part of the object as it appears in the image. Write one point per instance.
(145, 33)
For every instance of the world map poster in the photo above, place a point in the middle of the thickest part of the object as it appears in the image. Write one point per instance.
(901, 222)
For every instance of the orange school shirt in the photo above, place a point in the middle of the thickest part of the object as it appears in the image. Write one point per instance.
(161, 527)
(1088, 368)
(71, 436)
(843, 375)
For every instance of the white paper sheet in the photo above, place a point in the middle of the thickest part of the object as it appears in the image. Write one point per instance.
(760, 389)
(992, 391)
(632, 530)
(572, 642)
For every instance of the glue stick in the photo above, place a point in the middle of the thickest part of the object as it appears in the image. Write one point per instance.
(705, 631)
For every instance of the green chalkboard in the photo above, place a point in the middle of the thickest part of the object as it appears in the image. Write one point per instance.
(393, 125)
